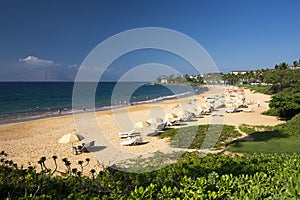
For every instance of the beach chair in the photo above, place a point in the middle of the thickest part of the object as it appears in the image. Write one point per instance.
(170, 119)
(159, 127)
(196, 112)
(84, 148)
(186, 118)
(249, 110)
(130, 133)
(167, 124)
(217, 114)
(133, 141)
(231, 110)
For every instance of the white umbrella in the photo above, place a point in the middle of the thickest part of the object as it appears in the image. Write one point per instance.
(183, 113)
(154, 120)
(70, 138)
(170, 117)
(141, 125)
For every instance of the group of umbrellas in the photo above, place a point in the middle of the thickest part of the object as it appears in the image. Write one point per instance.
(154, 121)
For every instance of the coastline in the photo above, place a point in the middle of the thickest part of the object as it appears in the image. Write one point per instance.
(26, 142)
(31, 114)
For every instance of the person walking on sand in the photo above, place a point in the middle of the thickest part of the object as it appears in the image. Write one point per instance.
(258, 104)
(59, 111)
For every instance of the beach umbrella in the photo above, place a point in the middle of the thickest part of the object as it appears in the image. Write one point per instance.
(70, 138)
(183, 113)
(241, 97)
(170, 117)
(154, 120)
(194, 110)
(141, 125)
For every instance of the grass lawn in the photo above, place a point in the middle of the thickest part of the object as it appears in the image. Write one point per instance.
(202, 136)
(288, 145)
(278, 139)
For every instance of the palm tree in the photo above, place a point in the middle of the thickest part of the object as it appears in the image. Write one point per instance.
(283, 65)
(296, 64)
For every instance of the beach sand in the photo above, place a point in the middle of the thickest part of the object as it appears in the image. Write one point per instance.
(26, 142)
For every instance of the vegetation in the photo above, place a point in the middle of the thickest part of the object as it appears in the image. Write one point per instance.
(248, 129)
(258, 176)
(286, 87)
(282, 138)
(278, 79)
(182, 138)
(286, 105)
(259, 89)
(178, 79)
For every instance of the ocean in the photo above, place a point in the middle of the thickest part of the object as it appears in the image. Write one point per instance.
(22, 101)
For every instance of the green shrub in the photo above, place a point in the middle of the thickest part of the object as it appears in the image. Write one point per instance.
(257, 176)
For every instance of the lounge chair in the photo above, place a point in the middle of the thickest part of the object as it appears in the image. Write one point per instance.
(196, 112)
(186, 118)
(249, 110)
(131, 133)
(133, 141)
(231, 110)
(217, 114)
(84, 148)
(168, 124)
(159, 127)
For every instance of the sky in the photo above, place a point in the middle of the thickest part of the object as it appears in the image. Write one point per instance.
(50, 40)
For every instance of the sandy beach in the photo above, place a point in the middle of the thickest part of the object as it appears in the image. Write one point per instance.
(27, 142)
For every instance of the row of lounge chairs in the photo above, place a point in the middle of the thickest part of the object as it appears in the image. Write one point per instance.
(135, 136)
(131, 133)
(132, 141)
(234, 109)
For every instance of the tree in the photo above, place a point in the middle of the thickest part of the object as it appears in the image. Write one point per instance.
(171, 78)
(280, 78)
(287, 105)
(283, 65)
(296, 63)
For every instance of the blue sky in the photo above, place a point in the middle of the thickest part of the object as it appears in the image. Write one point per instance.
(48, 40)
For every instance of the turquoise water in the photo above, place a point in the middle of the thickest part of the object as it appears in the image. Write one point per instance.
(21, 101)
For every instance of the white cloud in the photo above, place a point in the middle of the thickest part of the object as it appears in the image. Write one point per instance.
(73, 66)
(37, 61)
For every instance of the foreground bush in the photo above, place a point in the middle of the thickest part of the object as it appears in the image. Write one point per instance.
(256, 176)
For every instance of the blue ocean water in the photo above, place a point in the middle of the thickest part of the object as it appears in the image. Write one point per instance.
(21, 101)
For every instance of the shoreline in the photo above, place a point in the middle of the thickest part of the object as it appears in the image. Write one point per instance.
(67, 112)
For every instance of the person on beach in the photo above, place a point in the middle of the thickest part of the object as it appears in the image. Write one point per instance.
(258, 104)
(59, 111)
(74, 150)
